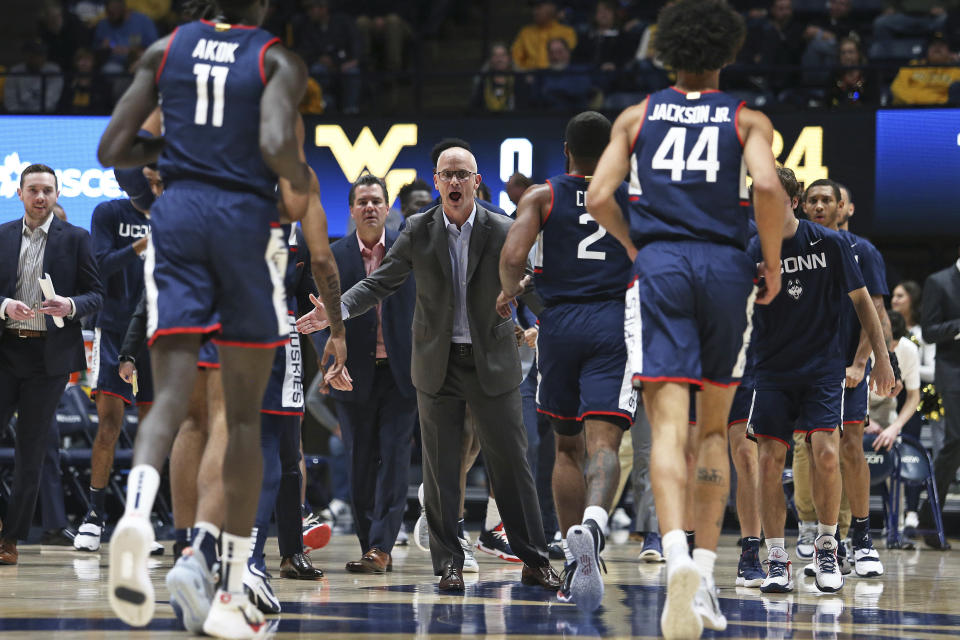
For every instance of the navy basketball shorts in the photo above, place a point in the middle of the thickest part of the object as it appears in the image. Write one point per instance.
(215, 264)
(209, 357)
(583, 366)
(688, 313)
(740, 409)
(780, 411)
(105, 376)
(284, 395)
(855, 400)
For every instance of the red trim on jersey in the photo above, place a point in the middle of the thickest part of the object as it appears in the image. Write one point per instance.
(642, 120)
(736, 122)
(809, 431)
(553, 415)
(94, 392)
(550, 210)
(282, 413)
(182, 330)
(780, 440)
(725, 385)
(634, 198)
(250, 345)
(667, 379)
(682, 92)
(853, 421)
(538, 269)
(232, 26)
(293, 250)
(145, 404)
(208, 365)
(736, 422)
(744, 203)
(576, 175)
(633, 282)
(275, 225)
(263, 52)
(166, 52)
(618, 414)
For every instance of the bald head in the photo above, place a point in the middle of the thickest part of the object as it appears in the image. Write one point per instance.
(456, 179)
(456, 158)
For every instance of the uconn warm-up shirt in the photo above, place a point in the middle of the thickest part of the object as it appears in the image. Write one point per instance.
(115, 226)
(210, 82)
(796, 337)
(874, 275)
(690, 155)
(576, 259)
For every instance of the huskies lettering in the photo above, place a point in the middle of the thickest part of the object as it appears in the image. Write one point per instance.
(215, 51)
(128, 230)
(792, 264)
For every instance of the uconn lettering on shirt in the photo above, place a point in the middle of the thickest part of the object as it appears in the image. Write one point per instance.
(792, 264)
(215, 51)
(699, 114)
(128, 230)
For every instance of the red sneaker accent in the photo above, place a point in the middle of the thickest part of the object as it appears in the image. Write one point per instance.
(316, 537)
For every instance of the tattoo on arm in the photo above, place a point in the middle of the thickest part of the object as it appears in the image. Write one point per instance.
(329, 286)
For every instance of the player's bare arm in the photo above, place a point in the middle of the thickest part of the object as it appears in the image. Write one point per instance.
(882, 377)
(610, 174)
(286, 81)
(120, 146)
(521, 237)
(769, 199)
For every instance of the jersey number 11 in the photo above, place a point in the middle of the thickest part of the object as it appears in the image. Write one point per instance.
(203, 73)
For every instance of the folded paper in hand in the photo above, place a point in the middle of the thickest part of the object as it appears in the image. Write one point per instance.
(46, 286)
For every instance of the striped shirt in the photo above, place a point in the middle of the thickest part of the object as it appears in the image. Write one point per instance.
(29, 272)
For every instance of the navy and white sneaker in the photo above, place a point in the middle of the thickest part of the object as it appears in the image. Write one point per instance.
(585, 542)
(866, 561)
(828, 576)
(779, 578)
(564, 593)
(805, 540)
(191, 584)
(652, 550)
(494, 542)
(256, 582)
(749, 570)
(89, 532)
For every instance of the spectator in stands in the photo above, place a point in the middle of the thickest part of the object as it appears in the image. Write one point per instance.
(923, 82)
(952, 29)
(85, 92)
(530, 48)
(911, 18)
(823, 34)
(159, 11)
(384, 32)
(122, 35)
(87, 11)
(781, 44)
(328, 42)
(496, 87)
(603, 44)
(62, 33)
(35, 85)
(851, 86)
(564, 87)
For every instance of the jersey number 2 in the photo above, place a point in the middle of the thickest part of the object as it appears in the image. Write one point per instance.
(204, 72)
(675, 142)
(582, 251)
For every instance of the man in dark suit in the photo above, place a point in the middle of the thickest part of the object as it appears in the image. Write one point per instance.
(377, 416)
(940, 320)
(464, 353)
(36, 355)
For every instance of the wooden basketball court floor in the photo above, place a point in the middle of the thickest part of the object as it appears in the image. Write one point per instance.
(61, 594)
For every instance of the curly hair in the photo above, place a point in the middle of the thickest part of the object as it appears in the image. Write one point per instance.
(697, 36)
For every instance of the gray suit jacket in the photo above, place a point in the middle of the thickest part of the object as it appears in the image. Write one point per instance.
(422, 248)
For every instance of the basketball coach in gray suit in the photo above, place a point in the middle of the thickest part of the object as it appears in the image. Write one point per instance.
(464, 353)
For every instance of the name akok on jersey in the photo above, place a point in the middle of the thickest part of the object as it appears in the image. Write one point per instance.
(215, 50)
(689, 115)
(792, 264)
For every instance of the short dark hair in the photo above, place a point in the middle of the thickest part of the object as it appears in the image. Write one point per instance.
(849, 197)
(824, 182)
(39, 168)
(587, 135)
(367, 179)
(447, 143)
(789, 181)
(407, 190)
(699, 35)
(898, 324)
(520, 179)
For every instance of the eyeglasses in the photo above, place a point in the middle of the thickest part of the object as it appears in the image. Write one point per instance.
(447, 176)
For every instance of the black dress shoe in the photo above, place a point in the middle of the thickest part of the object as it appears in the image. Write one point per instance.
(452, 579)
(543, 576)
(299, 567)
(932, 540)
(57, 538)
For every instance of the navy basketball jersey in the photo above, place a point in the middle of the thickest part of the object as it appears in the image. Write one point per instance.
(874, 273)
(687, 175)
(796, 337)
(576, 259)
(210, 82)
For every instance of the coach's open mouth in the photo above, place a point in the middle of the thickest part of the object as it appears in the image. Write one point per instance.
(455, 196)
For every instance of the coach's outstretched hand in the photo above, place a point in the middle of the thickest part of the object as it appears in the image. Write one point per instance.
(315, 319)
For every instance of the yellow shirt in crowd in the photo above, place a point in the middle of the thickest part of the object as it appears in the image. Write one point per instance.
(923, 85)
(529, 50)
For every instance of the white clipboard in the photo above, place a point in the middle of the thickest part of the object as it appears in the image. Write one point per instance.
(46, 286)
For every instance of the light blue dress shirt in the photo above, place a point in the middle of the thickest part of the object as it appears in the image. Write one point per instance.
(458, 243)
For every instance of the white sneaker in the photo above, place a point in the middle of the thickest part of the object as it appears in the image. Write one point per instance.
(88, 536)
(469, 560)
(130, 590)
(828, 576)
(707, 605)
(620, 519)
(805, 540)
(586, 587)
(866, 562)
(257, 585)
(232, 617)
(421, 530)
(779, 577)
(402, 538)
(191, 583)
(157, 549)
(680, 619)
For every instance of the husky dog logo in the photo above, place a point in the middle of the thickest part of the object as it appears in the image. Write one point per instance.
(795, 289)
